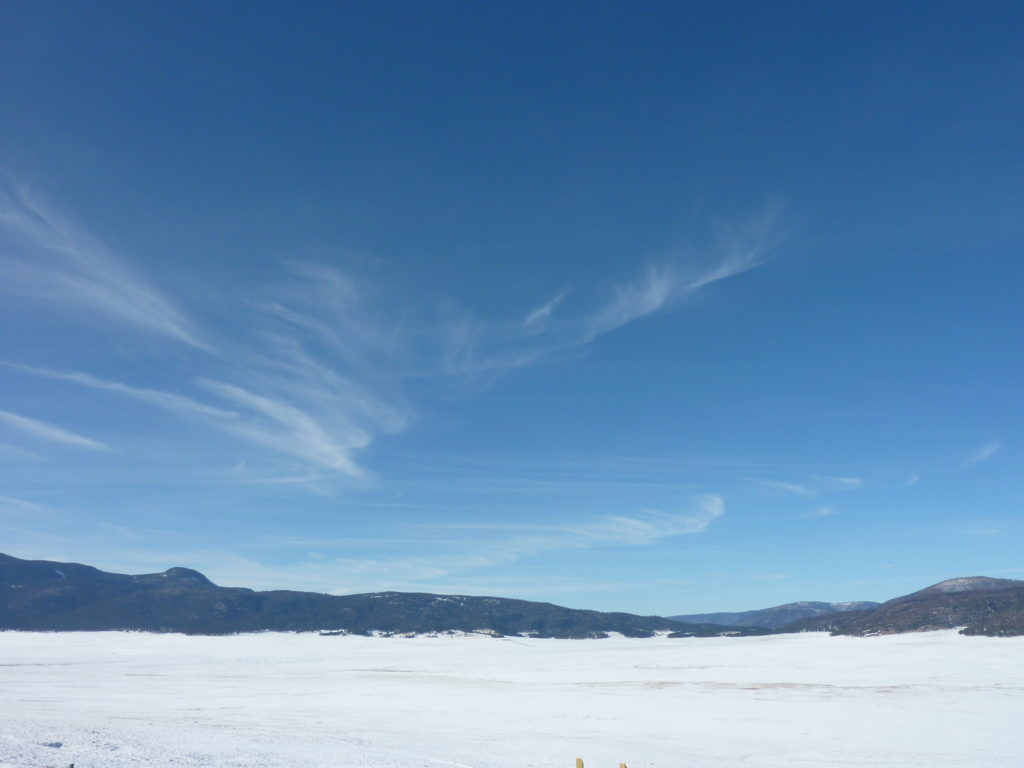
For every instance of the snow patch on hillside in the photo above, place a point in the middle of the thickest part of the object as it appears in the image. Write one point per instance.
(970, 584)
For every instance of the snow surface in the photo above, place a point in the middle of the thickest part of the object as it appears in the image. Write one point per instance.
(970, 584)
(284, 700)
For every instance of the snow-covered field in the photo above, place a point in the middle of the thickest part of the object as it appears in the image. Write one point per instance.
(117, 699)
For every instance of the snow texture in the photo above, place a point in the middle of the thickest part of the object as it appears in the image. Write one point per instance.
(108, 700)
(969, 584)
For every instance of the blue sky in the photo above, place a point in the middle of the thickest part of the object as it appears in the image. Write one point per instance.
(660, 308)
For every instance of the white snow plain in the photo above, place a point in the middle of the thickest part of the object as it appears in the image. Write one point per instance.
(115, 699)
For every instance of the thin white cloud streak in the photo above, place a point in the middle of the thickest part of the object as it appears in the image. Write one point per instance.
(912, 480)
(639, 530)
(324, 380)
(516, 543)
(537, 320)
(44, 256)
(166, 400)
(21, 504)
(984, 453)
(261, 420)
(328, 306)
(823, 511)
(123, 550)
(848, 482)
(474, 350)
(821, 484)
(663, 286)
(521, 540)
(49, 432)
(658, 285)
(285, 364)
(477, 352)
(801, 490)
(294, 432)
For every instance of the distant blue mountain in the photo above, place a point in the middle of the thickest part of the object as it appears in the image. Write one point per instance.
(50, 596)
(979, 605)
(775, 617)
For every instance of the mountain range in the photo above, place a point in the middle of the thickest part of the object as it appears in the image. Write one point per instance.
(41, 595)
(50, 596)
(775, 617)
(978, 605)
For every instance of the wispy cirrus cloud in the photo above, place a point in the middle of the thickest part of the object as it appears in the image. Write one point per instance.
(740, 247)
(50, 432)
(168, 400)
(660, 287)
(508, 544)
(476, 348)
(283, 427)
(652, 291)
(46, 257)
(986, 452)
(845, 483)
(429, 563)
(801, 490)
(638, 528)
(321, 363)
(20, 504)
(310, 380)
(823, 511)
(652, 525)
(482, 546)
(272, 424)
(538, 319)
(813, 485)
